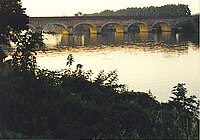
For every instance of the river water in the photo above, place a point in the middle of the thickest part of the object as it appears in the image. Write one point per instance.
(140, 64)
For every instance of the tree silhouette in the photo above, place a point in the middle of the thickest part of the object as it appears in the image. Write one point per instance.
(12, 15)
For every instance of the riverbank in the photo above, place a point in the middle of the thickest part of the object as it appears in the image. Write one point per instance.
(70, 105)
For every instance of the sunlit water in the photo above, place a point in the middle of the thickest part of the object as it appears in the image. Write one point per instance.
(154, 68)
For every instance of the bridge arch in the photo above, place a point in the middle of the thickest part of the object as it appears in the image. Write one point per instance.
(183, 26)
(141, 26)
(84, 26)
(118, 27)
(177, 27)
(56, 28)
(161, 26)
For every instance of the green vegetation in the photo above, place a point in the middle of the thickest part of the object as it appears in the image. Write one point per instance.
(12, 15)
(171, 10)
(69, 104)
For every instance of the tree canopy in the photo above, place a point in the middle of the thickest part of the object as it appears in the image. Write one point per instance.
(166, 10)
(12, 15)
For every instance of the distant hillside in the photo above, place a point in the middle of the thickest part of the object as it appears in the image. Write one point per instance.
(166, 10)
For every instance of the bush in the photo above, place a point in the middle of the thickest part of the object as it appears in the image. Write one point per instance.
(10, 134)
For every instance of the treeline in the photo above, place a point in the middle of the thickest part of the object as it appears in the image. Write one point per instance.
(171, 10)
(69, 104)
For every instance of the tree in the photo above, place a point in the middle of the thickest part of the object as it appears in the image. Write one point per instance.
(187, 110)
(107, 13)
(12, 15)
(78, 14)
(24, 58)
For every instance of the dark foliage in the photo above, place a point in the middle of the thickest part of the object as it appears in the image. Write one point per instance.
(170, 10)
(11, 15)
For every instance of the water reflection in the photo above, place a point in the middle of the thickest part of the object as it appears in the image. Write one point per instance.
(177, 38)
(141, 68)
(162, 37)
(141, 64)
(107, 38)
(53, 40)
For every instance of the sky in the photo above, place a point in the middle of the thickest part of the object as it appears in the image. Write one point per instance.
(36, 8)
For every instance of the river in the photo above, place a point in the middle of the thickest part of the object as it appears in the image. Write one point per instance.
(140, 65)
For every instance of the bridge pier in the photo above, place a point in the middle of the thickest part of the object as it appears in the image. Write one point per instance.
(125, 27)
(70, 30)
(39, 29)
(98, 29)
(150, 27)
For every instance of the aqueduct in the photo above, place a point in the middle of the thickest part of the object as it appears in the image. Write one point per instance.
(96, 24)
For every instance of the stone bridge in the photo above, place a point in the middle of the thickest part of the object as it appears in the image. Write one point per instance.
(96, 24)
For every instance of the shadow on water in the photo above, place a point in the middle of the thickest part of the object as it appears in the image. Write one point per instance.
(108, 38)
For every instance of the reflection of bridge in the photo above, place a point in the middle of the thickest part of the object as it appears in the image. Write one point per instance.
(96, 24)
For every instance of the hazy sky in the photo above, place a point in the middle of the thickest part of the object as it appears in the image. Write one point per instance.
(70, 7)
